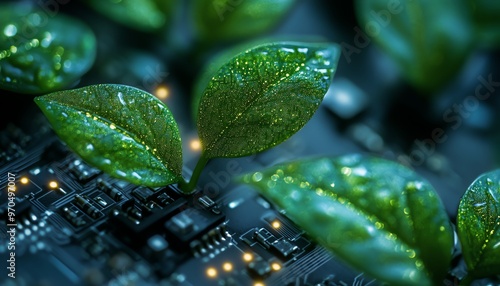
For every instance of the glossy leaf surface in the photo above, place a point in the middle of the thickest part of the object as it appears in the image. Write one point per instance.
(144, 15)
(478, 223)
(375, 214)
(262, 96)
(221, 20)
(122, 130)
(42, 53)
(429, 40)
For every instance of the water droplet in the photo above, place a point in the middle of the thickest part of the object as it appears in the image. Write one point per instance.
(320, 192)
(411, 253)
(288, 180)
(271, 184)
(346, 171)
(302, 50)
(304, 185)
(419, 264)
(478, 205)
(10, 30)
(257, 177)
(489, 182)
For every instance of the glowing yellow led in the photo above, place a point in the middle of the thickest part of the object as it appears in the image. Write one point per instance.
(24, 180)
(211, 272)
(228, 266)
(276, 266)
(259, 284)
(53, 184)
(276, 224)
(195, 145)
(162, 92)
(247, 257)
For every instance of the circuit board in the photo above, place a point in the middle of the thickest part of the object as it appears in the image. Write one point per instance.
(66, 223)
(74, 225)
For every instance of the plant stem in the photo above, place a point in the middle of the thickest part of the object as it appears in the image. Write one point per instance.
(188, 187)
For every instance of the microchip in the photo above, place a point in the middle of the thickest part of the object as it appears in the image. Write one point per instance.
(181, 223)
(259, 268)
(143, 194)
(82, 171)
(191, 224)
(283, 247)
(264, 237)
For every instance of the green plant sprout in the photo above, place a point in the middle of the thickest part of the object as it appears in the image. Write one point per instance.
(376, 215)
(254, 101)
(352, 205)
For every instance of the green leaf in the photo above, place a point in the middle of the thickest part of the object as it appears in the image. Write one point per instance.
(377, 215)
(221, 20)
(429, 40)
(122, 130)
(218, 60)
(487, 22)
(478, 225)
(41, 52)
(262, 96)
(144, 15)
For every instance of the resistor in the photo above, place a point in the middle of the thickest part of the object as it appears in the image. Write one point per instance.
(109, 190)
(73, 217)
(86, 206)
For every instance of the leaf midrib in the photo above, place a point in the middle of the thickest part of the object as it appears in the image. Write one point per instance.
(489, 234)
(251, 103)
(367, 215)
(119, 129)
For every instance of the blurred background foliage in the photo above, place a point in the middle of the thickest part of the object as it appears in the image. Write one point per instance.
(407, 69)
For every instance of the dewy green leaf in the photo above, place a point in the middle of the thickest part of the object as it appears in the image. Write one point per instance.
(221, 20)
(429, 40)
(264, 95)
(478, 224)
(41, 52)
(377, 215)
(122, 130)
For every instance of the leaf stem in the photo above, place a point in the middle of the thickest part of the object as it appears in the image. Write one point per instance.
(188, 187)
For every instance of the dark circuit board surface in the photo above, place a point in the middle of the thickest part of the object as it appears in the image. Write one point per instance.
(75, 225)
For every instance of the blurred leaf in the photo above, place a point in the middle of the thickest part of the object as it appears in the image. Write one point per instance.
(145, 15)
(486, 16)
(377, 215)
(41, 52)
(122, 130)
(429, 40)
(264, 95)
(221, 20)
(478, 224)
